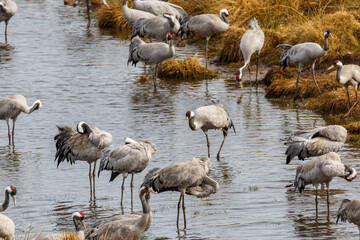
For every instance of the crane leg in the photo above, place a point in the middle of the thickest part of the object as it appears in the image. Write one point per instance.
(257, 67)
(249, 72)
(225, 132)
(297, 82)
(6, 24)
(90, 177)
(9, 135)
(132, 186)
(316, 201)
(13, 132)
(206, 47)
(178, 212)
(327, 199)
(208, 142)
(183, 207)
(122, 192)
(313, 73)
(355, 103)
(154, 76)
(93, 177)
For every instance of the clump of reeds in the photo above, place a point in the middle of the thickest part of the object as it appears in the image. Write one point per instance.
(190, 68)
(112, 17)
(69, 236)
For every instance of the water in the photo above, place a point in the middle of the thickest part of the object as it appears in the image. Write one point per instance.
(80, 74)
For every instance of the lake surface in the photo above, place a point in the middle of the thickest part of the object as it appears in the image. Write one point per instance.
(79, 73)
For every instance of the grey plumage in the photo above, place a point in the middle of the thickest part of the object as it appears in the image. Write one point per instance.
(322, 170)
(251, 42)
(156, 27)
(187, 177)
(125, 226)
(133, 157)
(205, 24)
(348, 75)
(11, 107)
(78, 219)
(315, 142)
(349, 210)
(210, 117)
(150, 53)
(132, 15)
(8, 8)
(83, 144)
(159, 8)
(301, 54)
(7, 226)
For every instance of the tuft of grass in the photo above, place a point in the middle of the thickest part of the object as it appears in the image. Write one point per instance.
(69, 236)
(190, 68)
(112, 17)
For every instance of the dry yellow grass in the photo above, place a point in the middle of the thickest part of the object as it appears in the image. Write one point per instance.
(112, 17)
(190, 68)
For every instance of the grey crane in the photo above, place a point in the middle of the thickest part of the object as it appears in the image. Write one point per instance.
(125, 226)
(83, 144)
(301, 54)
(150, 53)
(321, 170)
(349, 210)
(11, 107)
(8, 8)
(205, 24)
(187, 177)
(348, 75)
(133, 157)
(10, 191)
(210, 117)
(132, 15)
(251, 42)
(160, 7)
(315, 142)
(7, 226)
(156, 27)
(78, 219)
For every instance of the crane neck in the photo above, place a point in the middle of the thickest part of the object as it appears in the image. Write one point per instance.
(192, 124)
(36, 105)
(5, 205)
(145, 200)
(326, 45)
(338, 71)
(224, 18)
(124, 3)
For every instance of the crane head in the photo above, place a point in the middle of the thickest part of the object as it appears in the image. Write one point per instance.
(335, 64)
(168, 36)
(328, 33)
(189, 114)
(238, 79)
(351, 173)
(12, 191)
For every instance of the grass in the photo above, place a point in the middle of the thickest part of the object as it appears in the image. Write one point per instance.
(190, 68)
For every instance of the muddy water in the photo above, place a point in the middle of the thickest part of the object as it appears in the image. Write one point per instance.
(80, 74)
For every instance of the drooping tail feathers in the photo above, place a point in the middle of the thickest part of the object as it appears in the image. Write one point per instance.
(299, 182)
(284, 59)
(341, 214)
(295, 147)
(253, 23)
(104, 162)
(63, 149)
(138, 28)
(134, 58)
(150, 177)
(184, 27)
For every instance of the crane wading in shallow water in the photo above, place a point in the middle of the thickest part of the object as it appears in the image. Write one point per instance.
(322, 170)
(349, 210)
(251, 42)
(315, 142)
(125, 226)
(301, 54)
(205, 24)
(210, 117)
(133, 157)
(7, 226)
(11, 107)
(150, 53)
(348, 75)
(83, 144)
(8, 8)
(187, 177)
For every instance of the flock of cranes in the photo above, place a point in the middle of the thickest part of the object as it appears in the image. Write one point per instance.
(159, 20)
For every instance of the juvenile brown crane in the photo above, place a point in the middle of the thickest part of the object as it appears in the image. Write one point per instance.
(315, 142)
(11, 107)
(322, 170)
(83, 144)
(210, 117)
(125, 226)
(187, 177)
(7, 226)
(133, 157)
(348, 75)
(349, 210)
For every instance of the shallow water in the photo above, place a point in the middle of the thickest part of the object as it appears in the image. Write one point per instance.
(80, 74)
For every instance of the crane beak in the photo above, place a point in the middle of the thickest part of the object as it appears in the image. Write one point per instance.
(83, 224)
(14, 200)
(331, 67)
(187, 118)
